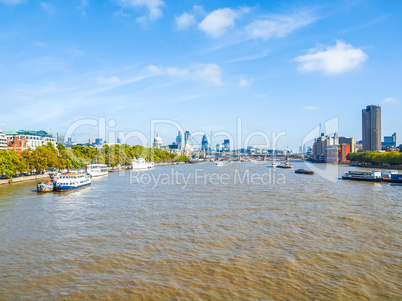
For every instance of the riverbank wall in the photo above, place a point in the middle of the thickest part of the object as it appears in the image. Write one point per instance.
(24, 179)
(388, 167)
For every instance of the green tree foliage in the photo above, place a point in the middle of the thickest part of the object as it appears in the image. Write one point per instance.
(182, 158)
(9, 162)
(47, 156)
(391, 158)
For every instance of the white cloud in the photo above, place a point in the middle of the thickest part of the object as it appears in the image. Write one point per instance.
(12, 2)
(389, 100)
(47, 7)
(114, 80)
(206, 73)
(153, 6)
(310, 108)
(185, 21)
(44, 64)
(277, 26)
(76, 52)
(334, 59)
(218, 21)
(244, 83)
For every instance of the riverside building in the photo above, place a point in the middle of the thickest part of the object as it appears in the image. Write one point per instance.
(24, 139)
(371, 128)
(3, 140)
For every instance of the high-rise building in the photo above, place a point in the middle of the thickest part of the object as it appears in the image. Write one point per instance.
(204, 143)
(178, 139)
(60, 140)
(187, 137)
(371, 128)
(226, 145)
(349, 141)
(389, 141)
(320, 146)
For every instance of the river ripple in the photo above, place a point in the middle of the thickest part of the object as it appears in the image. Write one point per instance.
(122, 238)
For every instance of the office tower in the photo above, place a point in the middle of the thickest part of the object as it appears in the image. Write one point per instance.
(371, 128)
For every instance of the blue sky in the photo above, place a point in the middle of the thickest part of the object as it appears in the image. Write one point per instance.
(278, 65)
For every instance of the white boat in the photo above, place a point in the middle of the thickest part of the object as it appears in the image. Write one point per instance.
(275, 163)
(284, 164)
(359, 175)
(96, 170)
(71, 181)
(139, 164)
(220, 163)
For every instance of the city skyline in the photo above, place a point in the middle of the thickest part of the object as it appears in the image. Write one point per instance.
(279, 66)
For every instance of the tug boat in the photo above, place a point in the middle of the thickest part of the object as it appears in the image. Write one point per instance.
(45, 187)
(304, 171)
(72, 181)
(358, 175)
(392, 176)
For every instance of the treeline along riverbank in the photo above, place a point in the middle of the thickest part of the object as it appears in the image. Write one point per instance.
(78, 156)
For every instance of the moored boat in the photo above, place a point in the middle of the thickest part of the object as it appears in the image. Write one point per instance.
(45, 187)
(393, 178)
(304, 171)
(220, 163)
(72, 181)
(97, 170)
(359, 175)
(139, 164)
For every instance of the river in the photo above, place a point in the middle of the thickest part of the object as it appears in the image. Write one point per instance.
(202, 232)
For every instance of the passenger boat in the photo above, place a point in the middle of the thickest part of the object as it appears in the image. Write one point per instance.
(393, 178)
(220, 163)
(97, 170)
(284, 165)
(71, 181)
(275, 163)
(139, 164)
(45, 187)
(304, 171)
(359, 175)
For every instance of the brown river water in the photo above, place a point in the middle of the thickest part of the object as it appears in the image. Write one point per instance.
(237, 232)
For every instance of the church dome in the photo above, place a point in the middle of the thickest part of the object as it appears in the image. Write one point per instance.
(158, 141)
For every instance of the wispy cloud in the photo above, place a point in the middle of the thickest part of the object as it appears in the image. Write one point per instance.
(153, 7)
(113, 80)
(218, 21)
(12, 2)
(185, 20)
(47, 7)
(244, 83)
(44, 64)
(333, 60)
(206, 73)
(389, 100)
(277, 26)
(310, 108)
(82, 6)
